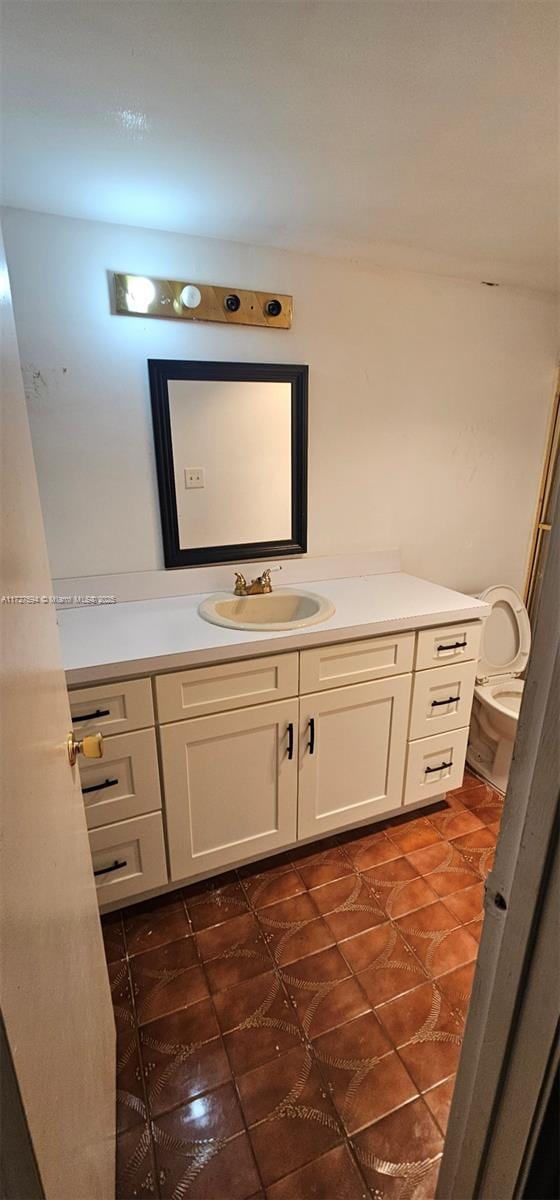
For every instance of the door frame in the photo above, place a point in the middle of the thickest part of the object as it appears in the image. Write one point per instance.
(510, 1050)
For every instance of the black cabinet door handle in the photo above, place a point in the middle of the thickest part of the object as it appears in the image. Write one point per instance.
(115, 867)
(450, 700)
(99, 712)
(99, 787)
(291, 739)
(311, 743)
(442, 766)
(454, 646)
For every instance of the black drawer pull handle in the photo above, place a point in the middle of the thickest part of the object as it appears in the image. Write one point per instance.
(311, 743)
(99, 712)
(453, 646)
(115, 867)
(450, 700)
(442, 766)
(99, 787)
(291, 739)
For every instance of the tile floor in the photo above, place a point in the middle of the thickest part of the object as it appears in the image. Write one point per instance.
(292, 1030)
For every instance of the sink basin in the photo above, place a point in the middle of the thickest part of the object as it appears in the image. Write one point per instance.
(285, 608)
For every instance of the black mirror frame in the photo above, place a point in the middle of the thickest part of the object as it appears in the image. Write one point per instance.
(161, 370)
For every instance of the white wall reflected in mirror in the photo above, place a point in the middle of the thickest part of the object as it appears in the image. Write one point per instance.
(239, 436)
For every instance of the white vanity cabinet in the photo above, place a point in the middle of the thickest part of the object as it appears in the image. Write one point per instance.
(211, 766)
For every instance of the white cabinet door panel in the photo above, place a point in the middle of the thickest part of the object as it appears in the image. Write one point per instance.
(435, 765)
(230, 786)
(204, 690)
(355, 662)
(352, 754)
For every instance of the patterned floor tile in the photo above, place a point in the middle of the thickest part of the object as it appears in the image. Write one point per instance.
(478, 849)
(444, 868)
(183, 1056)
(233, 952)
(216, 905)
(330, 864)
(371, 851)
(290, 1117)
(468, 904)
(364, 1076)
(413, 835)
(293, 929)
(136, 1169)
(400, 1154)
(422, 1016)
(455, 823)
(332, 1175)
(457, 986)
(323, 992)
(257, 1022)
(155, 923)
(166, 979)
(433, 934)
(439, 1100)
(273, 886)
(398, 888)
(202, 1151)
(348, 906)
(113, 937)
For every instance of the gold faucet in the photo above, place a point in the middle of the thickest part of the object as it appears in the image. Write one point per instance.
(257, 587)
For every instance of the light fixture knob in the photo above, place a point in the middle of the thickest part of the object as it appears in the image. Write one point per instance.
(191, 296)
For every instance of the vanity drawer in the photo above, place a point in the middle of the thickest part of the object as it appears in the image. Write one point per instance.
(205, 690)
(435, 765)
(112, 707)
(125, 782)
(442, 699)
(138, 846)
(448, 644)
(355, 662)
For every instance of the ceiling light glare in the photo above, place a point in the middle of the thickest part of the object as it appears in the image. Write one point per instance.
(140, 293)
(191, 296)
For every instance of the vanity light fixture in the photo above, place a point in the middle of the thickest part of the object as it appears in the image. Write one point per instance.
(138, 295)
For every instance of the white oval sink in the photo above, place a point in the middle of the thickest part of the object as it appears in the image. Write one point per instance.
(285, 608)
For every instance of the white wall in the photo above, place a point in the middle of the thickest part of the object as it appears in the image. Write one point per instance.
(429, 398)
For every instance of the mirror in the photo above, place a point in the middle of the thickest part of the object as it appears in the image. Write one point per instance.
(231, 456)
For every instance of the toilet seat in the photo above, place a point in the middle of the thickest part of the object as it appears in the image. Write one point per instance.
(506, 636)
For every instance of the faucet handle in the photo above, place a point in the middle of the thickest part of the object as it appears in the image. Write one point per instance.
(240, 588)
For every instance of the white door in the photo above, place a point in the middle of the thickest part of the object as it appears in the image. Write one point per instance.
(54, 987)
(230, 786)
(352, 754)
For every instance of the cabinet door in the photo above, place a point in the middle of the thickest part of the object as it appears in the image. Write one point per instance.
(230, 786)
(352, 754)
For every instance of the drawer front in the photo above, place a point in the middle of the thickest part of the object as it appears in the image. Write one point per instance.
(205, 690)
(125, 782)
(435, 765)
(355, 662)
(442, 699)
(139, 847)
(448, 644)
(112, 707)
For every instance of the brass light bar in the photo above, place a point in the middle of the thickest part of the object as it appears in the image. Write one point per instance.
(183, 300)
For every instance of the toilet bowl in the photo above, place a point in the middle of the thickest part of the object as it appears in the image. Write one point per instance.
(506, 642)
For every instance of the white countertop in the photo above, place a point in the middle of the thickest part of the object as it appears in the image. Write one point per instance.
(123, 640)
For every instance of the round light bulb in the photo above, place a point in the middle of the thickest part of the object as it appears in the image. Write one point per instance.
(191, 296)
(140, 294)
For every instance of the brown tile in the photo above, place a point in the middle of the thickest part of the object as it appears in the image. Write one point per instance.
(400, 1154)
(204, 887)
(468, 904)
(257, 1022)
(431, 1064)
(318, 869)
(386, 964)
(439, 1100)
(401, 890)
(290, 1116)
(273, 886)
(372, 850)
(475, 929)
(455, 823)
(363, 1074)
(233, 952)
(349, 906)
(113, 937)
(477, 793)
(183, 1056)
(422, 1016)
(167, 979)
(201, 1150)
(131, 1106)
(334, 1174)
(146, 927)
(121, 994)
(478, 849)
(413, 835)
(293, 929)
(444, 868)
(490, 814)
(433, 935)
(217, 905)
(136, 1171)
(323, 992)
(457, 986)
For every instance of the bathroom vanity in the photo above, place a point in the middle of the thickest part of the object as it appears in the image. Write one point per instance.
(222, 746)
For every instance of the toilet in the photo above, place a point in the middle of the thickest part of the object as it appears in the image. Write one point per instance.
(506, 642)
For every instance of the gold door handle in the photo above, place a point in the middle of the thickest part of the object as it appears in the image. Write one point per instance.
(91, 746)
